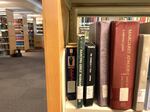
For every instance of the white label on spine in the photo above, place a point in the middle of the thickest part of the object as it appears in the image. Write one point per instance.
(79, 92)
(71, 86)
(141, 95)
(89, 92)
(124, 94)
(105, 91)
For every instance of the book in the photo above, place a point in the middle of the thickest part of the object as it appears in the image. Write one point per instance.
(71, 55)
(90, 68)
(100, 35)
(147, 96)
(124, 42)
(141, 72)
(80, 70)
(144, 28)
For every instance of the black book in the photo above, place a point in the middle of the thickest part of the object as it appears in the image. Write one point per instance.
(71, 55)
(90, 68)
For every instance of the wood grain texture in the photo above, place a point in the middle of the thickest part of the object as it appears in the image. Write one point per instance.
(73, 25)
(25, 32)
(54, 45)
(114, 11)
(11, 31)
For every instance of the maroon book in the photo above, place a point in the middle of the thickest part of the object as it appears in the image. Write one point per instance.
(124, 41)
(100, 34)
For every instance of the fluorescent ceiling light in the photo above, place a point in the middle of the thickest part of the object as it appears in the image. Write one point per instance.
(2, 9)
(4, 2)
(35, 3)
(34, 15)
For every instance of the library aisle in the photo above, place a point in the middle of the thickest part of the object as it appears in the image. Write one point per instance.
(22, 83)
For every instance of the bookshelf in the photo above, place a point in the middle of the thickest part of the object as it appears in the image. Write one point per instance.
(38, 29)
(7, 33)
(21, 30)
(31, 35)
(70, 107)
(59, 31)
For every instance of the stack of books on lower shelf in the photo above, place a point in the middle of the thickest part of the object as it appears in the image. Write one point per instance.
(111, 67)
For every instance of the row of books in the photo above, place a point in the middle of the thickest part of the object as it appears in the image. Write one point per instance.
(4, 46)
(3, 26)
(111, 66)
(4, 53)
(4, 34)
(4, 40)
(3, 19)
(18, 43)
(87, 20)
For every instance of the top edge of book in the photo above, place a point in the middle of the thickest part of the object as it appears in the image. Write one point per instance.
(125, 22)
(148, 23)
(71, 45)
(116, 22)
(90, 44)
(145, 35)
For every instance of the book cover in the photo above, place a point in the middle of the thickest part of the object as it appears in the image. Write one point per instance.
(141, 72)
(90, 68)
(80, 70)
(147, 97)
(144, 28)
(124, 42)
(100, 35)
(71, 55)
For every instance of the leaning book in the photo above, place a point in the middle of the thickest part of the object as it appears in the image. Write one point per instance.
(141, 72)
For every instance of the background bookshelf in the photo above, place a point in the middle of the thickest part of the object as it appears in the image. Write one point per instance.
(38, 29)
(7, 33)
(19, 33)
(57, 25)
(21, 30)
(31, 35)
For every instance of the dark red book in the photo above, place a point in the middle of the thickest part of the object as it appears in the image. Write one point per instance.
(124, 41)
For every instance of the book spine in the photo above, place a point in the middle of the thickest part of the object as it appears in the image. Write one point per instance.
(71, 55)
(103, 46)
(89, 79)
(141, 73)
(123, 60)
(80, 71)
(100, 34)
(147, 97)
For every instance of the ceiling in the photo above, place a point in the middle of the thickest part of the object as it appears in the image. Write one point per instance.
(110, 1)
(22, 6)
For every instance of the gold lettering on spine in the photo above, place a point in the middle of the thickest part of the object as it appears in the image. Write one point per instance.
(125, 74)
(80, 67)
(128, 61)
(123, 40)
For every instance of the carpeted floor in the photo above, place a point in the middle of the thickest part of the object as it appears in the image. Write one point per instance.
(22, 83)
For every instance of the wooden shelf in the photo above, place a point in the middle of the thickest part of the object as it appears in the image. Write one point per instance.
(3, 37)
(4, 43)
(60, 27)
(71, 107)
(19, 40)
(4, 49)
(3, 30)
